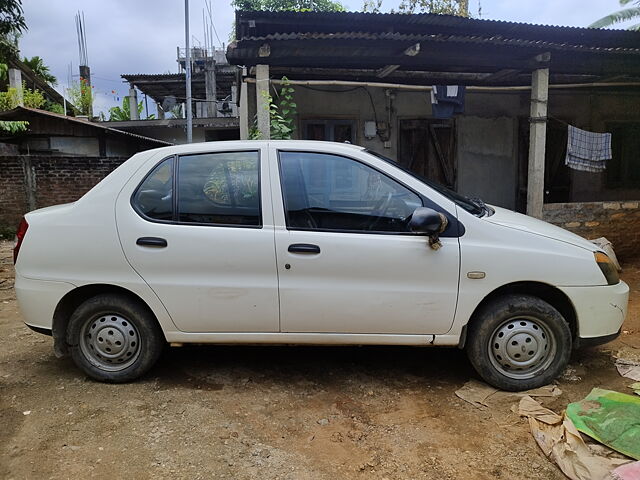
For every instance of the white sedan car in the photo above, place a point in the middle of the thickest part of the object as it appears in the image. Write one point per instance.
(298, 242)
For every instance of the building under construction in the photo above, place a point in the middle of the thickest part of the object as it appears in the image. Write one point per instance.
(213, 84)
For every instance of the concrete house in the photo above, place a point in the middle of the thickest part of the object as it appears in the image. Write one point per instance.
(367, 79)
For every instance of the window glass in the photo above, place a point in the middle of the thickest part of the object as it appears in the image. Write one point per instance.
(219, 188)
(329, 130)
(154, 197)
(329, 192)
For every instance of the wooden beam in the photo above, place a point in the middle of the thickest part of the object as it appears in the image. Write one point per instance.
(243, 112)
(502, 75)
(537, 141)
(388, 70)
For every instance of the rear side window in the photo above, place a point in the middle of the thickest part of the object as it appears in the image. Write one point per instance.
(154, 197)
(219, 188)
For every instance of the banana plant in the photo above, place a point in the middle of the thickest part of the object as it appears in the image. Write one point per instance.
(624, 15)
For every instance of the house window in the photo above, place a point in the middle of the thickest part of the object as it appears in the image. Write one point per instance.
(623, 170)
(330, 130)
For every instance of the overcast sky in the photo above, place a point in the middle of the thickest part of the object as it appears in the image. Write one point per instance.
(141, 36)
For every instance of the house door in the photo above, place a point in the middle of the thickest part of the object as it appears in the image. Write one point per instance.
(426, 147)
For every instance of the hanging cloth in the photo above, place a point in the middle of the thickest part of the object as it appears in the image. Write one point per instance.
(447, 100)
(587, 151)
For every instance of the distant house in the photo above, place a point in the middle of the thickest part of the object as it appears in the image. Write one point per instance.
(214, 104)
(53, 134)
(368, 78)
(57, 160)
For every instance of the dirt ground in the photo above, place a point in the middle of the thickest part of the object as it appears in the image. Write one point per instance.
(272, 412)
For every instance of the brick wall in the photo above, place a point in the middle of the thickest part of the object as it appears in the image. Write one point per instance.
(619, 222)
(29, 181)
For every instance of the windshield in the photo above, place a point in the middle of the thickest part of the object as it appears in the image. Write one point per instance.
(474, 206)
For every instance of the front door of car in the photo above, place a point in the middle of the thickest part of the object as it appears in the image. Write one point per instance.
(347, 262)
(199, 230)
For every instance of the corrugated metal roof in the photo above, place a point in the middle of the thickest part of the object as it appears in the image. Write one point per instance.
(494, 40)
(273, 22)
(21, 113)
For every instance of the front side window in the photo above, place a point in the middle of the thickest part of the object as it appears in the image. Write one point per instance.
(219, 188)
(330, 192)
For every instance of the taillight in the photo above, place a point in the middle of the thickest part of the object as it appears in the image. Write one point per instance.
(20, 234)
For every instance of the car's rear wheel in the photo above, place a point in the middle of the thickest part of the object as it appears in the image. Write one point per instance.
(114, 338)
(518, 342)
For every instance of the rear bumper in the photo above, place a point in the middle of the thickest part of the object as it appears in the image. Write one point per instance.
(44, 331)
(600, 311)
(38, 300)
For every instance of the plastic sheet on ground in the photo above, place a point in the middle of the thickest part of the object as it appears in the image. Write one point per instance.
(478, 393)
(628, 369)
(611, 418)
(629, 471)
(562, 443)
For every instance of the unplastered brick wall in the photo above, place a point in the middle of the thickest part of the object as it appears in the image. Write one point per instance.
(618, 221)
(35, 181)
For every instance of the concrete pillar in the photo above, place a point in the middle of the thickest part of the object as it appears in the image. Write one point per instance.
(85, 77)
(262, 100)
(537, 141)
(160, 110)
(243, 114)
(15, 81)
(133, 103)
(210, 88)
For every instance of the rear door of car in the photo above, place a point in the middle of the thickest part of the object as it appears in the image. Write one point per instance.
(208, 250)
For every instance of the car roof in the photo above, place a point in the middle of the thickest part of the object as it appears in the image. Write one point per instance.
(252, 144)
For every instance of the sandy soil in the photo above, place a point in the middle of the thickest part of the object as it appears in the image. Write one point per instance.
(272, 412)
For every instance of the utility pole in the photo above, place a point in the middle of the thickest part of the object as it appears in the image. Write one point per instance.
(187, 67)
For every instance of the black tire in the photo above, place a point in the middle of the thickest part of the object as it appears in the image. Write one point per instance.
(518, 342)
(114, 338)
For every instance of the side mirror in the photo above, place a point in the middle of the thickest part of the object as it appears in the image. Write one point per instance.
(427, 221)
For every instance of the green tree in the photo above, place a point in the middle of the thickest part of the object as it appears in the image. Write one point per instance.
(38, 66)
(443, 7)
(289, 5)
(626, 14)
(372, 6)
(12, 24)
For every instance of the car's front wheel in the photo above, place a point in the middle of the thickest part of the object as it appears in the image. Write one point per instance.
(114, 338)
(518, 342)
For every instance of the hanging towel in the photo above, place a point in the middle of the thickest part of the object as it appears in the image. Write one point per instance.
(447, 100)
(587, 151)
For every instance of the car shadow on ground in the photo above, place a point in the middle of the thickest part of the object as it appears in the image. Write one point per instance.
(212, 367)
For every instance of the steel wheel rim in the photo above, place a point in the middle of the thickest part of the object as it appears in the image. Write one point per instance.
(522, 347)
(110, 342)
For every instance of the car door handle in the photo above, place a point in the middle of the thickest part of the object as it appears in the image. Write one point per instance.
(151, 242)
(304, 248)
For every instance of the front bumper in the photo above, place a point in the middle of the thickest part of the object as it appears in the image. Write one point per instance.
(600, 310)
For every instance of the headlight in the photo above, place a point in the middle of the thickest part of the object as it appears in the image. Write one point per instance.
(607, 268)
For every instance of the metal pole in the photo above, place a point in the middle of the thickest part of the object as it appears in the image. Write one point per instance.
(188, 72)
